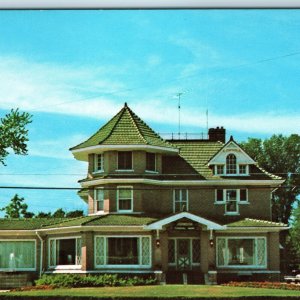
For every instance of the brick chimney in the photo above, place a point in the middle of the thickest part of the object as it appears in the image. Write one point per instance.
(217, 134)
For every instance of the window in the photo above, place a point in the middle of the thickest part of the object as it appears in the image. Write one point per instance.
(17, 255)
(180, 200)
(125, 160)
(241, 252)
(150, 161)
(231, 164)
(125, 199)
(231, 198)
(122, 251)
(99, 200)
(98, 163)
(231, 206)
(219, 169)
(243, 169)
(65, 252)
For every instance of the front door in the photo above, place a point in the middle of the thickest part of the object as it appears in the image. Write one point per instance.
(183, 254)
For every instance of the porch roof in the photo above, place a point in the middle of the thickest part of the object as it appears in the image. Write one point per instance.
(248, 222)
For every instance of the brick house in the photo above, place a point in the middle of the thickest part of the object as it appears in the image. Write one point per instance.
(185, 210)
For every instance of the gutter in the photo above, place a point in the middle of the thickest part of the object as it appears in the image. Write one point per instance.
(41, 255)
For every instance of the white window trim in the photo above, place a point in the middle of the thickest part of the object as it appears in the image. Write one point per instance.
(191, 249)
(137, 266)
(63, 267)
(35, 252)
(238, 195)
(155, 164)
(127, 188)
(125, 170)
(255, 238)
(96, 200)
(187, 199)
(233, 174)
(96, 159)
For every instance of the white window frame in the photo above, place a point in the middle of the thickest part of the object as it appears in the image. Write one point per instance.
(118, 199)
(125, 170)
(238, 199)
(96, 160)
(137, 266)
(96, 200)
(63, 267)
(226, 258)
(180, 199)
(191, 250)
(35, 252)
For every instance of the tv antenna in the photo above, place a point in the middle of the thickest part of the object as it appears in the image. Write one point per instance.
(178, 95)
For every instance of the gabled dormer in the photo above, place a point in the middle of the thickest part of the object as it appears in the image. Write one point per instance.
(231, 160)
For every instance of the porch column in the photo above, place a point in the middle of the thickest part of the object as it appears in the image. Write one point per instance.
(87, 251)
(205, 251)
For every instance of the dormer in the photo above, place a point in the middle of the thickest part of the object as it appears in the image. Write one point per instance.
(231, 160)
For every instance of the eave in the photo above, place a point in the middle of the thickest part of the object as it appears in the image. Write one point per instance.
(223, 182)
(82, 154)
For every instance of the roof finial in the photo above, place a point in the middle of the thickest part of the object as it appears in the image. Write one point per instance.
(125, 105)
(231, 138)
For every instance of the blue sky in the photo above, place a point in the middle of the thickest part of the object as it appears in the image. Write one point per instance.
(73, 70)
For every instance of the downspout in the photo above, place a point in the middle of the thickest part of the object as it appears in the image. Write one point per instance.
(41, 255)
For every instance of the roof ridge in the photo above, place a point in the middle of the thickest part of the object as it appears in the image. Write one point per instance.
(264, 221)
(117, 116)
(131, 113)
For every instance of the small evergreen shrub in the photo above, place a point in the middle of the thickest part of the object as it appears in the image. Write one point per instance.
(74, 280)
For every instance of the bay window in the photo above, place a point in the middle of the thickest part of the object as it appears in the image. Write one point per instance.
(124, 160)
(180, 200)
(17, 255)
(241, 252)
(98, 163)
(99, 200)
(150, 162)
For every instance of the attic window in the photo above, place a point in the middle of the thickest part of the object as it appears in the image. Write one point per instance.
(231, 164)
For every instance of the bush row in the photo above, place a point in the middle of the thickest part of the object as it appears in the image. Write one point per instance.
(73, 280)
(266, 285)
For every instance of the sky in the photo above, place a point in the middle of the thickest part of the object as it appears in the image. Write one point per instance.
(74, 70)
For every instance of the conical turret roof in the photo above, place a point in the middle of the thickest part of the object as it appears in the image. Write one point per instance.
(125, 128)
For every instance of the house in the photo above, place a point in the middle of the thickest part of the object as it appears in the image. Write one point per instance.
(184, 210)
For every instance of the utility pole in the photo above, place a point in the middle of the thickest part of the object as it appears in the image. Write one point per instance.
(179, 95)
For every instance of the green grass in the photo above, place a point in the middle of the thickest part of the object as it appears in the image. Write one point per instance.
(189, 291)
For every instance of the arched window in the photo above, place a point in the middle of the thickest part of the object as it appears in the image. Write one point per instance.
(231, 164)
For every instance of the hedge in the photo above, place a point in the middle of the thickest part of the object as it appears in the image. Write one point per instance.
(73, 280)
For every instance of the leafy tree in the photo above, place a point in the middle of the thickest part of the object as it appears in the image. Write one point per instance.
(13, 133)
(294, 237)
(279, 155)
(17, 208)
(59, 213)
(43, 215)
(74, 214)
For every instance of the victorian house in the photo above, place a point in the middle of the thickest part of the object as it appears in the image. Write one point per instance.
(184, 210)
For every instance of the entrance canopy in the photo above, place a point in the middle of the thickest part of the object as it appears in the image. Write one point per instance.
(158, 225)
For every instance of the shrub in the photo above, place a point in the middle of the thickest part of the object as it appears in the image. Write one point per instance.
(73, 280)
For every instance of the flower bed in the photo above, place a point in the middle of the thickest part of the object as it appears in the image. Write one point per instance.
(265, 285)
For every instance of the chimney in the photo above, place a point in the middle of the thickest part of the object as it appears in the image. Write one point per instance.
(217, 134)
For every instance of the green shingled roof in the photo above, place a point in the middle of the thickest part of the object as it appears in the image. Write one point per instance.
(125, 128)
(27, 224)
(255, 223)
(104, 220)
(197, 153)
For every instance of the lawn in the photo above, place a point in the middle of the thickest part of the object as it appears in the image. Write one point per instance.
(167, 291)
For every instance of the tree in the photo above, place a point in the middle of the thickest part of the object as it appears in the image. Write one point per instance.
(59, 213)
(13, 133)
(17, 209)
(279, 155)
(43, 215)
(74, 214)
